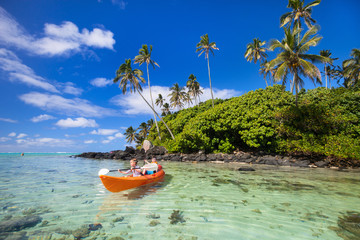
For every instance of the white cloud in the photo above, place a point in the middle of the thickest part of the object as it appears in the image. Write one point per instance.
(48, 142)
(101, 82)
(65, 106)
(111, 138)
(70, 88)
(58, 39)
(104, 131)
(42, 117)
(77, 122)
(8, 120)
(90, 141)
(134, 104)
(4, 139)
(13, 134)
(122, 4)
(21, 135)
(19, 72)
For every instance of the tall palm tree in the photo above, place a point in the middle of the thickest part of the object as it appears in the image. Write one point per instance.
(293, 59)
(299, 11)
(326, 53)
(145, 57)
(193, 87)
(351, 69)
(130, 134)
(150, 123)
(166, 109)
(177, 96)
(160, 100)
(205, 46)
(255, 51)
(132, 78)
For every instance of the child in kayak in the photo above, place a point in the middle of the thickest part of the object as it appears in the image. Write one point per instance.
(135, 169)
(153, 160)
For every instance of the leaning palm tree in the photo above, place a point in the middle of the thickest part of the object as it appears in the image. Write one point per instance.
(130, 134)
(351, 69)
(293, 58)
(205, 46)
(299, 11)
(132, 78)
(177, 96)
(255, 52)
(160, 100)
(145, 57)
(150, 123)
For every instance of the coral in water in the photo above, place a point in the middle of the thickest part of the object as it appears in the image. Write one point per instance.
(95, 226)
(348, 226)
(118, 219)
(153, 223)
(176, 217)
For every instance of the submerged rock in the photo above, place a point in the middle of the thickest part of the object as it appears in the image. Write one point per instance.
(246, 169)
(153, 223)
(19, 223)
(348, 226)
(81, 232)
(177, 217)
(95, 226)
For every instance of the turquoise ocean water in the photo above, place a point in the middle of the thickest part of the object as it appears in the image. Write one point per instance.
(194, 201)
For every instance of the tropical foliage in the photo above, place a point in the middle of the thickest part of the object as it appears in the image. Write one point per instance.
(325, 122)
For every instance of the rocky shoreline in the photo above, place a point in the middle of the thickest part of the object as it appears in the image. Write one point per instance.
(246, 157)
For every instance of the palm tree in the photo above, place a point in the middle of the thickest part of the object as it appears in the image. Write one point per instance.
(130, 134)
(187, 99)
(205, 46)
(129, 78)
(255, 51)
(144, 130)
(351, 69)
(145, 57)
(166, 109)
(150, 123)
(299, 11)
(292, 59)
(266, 71)
(326, 53)
(177, 96)
(193, 87)
(160, 100)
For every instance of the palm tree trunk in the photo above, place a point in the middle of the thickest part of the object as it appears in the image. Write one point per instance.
(326, 76)
(152, 102)
(157, 115)
(296, 89)
(212, 96)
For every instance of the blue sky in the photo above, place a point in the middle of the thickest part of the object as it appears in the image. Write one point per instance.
(57, 60)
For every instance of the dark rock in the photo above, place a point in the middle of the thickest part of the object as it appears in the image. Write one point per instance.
(129, 150)
(246, 169)
(95, 226)
(321, 164)
(157, 150)
(211, 157)
(270, 160)
(201, 157)
(302, 163)
(82, 232)
(246, 156)
(19, 223)
(176, 217)
(121, 155)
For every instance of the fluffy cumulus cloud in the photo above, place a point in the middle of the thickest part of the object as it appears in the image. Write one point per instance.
(90, 141)
(104, 132)
(21, 135)
(12, 134)
(57, 40)
(77, 122)
(101, 82)
(134, 104)
(65, 106)
(48, 142)
(41, 118)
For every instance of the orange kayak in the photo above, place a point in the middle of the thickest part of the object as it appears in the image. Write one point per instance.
(118, 184)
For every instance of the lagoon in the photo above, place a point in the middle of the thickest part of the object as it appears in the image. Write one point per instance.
(194, 201)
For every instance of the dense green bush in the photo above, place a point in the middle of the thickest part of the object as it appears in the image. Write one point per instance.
(324, 122)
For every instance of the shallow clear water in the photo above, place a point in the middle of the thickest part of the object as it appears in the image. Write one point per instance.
(215, 201)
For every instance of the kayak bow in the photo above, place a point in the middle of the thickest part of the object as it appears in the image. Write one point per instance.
(118, 184)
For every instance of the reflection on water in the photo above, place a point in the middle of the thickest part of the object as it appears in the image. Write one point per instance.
(56, 197)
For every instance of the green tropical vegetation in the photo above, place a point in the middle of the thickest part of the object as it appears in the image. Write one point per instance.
(323, 121)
